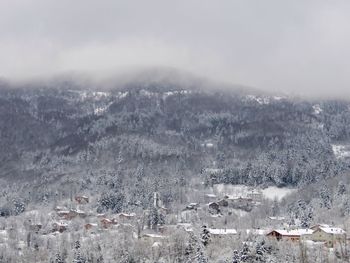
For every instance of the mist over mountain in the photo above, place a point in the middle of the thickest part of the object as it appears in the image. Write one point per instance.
(63, 126)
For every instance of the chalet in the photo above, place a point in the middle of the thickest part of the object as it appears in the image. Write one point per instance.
(314, 227)
(60, 208)
(64, 214)
(90, 226)
(81, 214)
(214, 208)
(329, 235)
(125, 216)
(255, 194)
(243, 203)
(101, 215)
(209, 198)
(82, 199)
(107, 223)
(60, 226)
(192, 206)
(188, 216)
(292, 235)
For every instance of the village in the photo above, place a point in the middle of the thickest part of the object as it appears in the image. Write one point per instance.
(218, 215)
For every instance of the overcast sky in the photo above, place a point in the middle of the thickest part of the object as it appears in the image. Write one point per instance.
(298, 45)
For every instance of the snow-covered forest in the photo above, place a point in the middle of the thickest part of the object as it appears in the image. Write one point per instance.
(162, 172)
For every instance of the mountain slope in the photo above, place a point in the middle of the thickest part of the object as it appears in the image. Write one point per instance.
(255, 138)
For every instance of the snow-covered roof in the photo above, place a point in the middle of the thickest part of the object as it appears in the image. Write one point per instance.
(237, 197)
(127, 215)
(333, 230)
(92, 224)
(319, 225)
(278, 218)
(156, 244)
(224, 231)
(294, 232)
(61, 223)
(259, 232)
(153, 236)
(210, 195)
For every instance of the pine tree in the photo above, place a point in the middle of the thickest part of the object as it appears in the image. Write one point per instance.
(345, 207)
(205, 236)
(341, 188)
(200, 255)
(325, 195)
(191, 246)
(58, 258)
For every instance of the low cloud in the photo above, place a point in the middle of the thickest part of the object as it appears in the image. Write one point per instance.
(299, 47)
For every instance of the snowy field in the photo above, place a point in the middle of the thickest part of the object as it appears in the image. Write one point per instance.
(341, 151)
(271, 192)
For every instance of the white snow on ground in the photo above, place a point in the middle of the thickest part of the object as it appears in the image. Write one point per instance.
(260, 100)
(273, 192)
(224, 231)
(96, 95)
(341, 151)
(171, 93)
(101, 110)
(227, 189)
(317, 109)
(122, 94)
(99, 94)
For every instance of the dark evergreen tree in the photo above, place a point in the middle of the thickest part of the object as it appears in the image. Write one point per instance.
(205, 236)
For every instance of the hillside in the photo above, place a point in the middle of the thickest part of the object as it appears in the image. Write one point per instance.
(254, 139)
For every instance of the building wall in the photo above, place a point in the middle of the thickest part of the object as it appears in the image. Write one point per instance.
(329, 239)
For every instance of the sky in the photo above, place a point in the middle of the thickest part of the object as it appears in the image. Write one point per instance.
(296, 46)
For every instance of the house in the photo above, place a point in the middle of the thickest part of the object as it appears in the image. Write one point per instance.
(292, 235)
(125, 216)
(188, 216)
(59, 226)
(214, 208)
(106, 223)
(60, 208)
(255, 194)
(329, 235)
(209, 198)
(82, 199)
(90, 226)
(314, 227)
(192, 206)
(243, 203)
(217, 232)
(70, 214)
